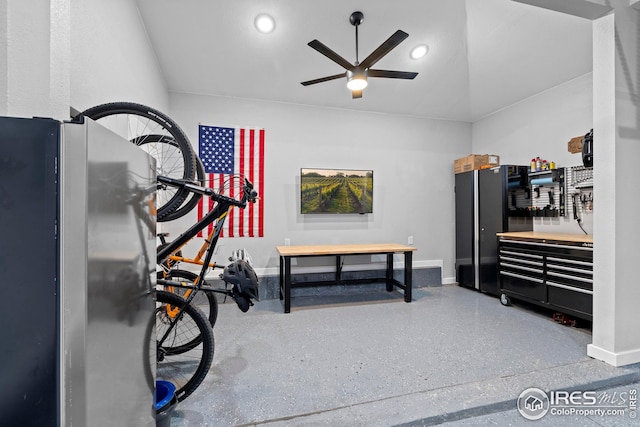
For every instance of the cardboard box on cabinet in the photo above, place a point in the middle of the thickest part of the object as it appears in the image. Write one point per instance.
(474, 162)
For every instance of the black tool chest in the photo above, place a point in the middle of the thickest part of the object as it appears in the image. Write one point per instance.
(547, 270)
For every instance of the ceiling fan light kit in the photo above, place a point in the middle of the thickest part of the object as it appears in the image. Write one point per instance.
(357, 80)
(357, 74)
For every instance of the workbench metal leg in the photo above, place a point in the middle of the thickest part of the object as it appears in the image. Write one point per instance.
(287, 284)
(389, 275)
(281, 278)
(408, 275)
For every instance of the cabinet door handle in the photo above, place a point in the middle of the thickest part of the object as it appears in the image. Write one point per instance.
(570, 288)
(519, 276)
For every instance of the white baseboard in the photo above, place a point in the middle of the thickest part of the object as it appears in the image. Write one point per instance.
(615, 359)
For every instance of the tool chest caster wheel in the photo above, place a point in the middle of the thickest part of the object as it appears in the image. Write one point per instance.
(505, 300)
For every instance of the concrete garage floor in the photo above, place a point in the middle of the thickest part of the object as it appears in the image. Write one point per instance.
(452, 356)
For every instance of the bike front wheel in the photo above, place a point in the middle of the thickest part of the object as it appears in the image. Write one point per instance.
(185, 369)
(160, 137)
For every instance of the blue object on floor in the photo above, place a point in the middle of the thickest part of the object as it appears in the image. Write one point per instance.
(166, 402)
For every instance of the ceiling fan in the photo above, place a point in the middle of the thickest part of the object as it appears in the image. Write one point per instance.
(358, 72)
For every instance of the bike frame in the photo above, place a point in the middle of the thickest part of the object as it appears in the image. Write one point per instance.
(219, 214)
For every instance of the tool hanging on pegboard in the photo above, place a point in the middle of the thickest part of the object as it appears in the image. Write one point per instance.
(587, 149)
(587, 201)
(580, 186)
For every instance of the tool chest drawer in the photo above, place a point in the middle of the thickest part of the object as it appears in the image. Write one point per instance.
(553, 273)
(522, 271)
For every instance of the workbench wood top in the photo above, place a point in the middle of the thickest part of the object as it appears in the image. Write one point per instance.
(561, 237)
(346, 249)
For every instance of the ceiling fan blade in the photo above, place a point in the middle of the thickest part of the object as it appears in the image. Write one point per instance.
(393, 41)
(317, 45)
(356, 94)
(392, 74)
(323, 79)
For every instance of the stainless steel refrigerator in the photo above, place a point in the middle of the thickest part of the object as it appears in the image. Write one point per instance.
(79, 269)
(487, 202)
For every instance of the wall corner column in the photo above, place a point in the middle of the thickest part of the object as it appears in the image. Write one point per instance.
(616, 92)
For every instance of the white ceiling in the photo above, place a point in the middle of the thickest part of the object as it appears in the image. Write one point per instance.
(484, 54)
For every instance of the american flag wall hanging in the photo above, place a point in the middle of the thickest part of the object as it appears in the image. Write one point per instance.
(227, 152)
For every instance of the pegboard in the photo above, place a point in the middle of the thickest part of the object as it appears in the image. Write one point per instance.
(548, 196)
(580, 185)
(519, 198)
(578, 181)
(579, 177)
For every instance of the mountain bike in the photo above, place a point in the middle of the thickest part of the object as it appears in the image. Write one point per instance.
(184, 342)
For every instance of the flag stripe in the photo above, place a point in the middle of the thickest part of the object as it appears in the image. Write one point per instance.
(242, 171)
(261, 186)
(200, 208)
(251, 176)
(221, 185)
(211, 202)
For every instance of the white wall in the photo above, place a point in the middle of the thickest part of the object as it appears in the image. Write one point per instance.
(542, 125)
(111, 56)
(412, 159)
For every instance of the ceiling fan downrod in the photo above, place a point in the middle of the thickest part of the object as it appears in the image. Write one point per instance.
(356, 19)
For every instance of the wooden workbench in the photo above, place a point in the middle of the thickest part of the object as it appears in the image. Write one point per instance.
(339, 251)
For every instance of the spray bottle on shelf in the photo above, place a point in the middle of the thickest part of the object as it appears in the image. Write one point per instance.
(533, 165)
(538, 164)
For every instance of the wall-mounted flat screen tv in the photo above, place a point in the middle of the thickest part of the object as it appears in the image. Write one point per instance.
(336, 191)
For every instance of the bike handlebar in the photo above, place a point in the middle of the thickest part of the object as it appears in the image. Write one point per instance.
(248, 193)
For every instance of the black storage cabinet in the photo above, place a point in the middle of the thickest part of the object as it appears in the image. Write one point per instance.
(29, 254)
(483, 206)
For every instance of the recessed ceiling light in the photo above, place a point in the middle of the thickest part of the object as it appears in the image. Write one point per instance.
(419, 51)
(265, 23)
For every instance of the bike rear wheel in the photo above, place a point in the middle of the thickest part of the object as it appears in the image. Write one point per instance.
(159, 136)
(186, 370)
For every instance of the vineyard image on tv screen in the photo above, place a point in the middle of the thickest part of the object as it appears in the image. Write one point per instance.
(340, 191)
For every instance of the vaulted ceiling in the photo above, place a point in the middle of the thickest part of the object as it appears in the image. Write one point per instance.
(484, 55)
